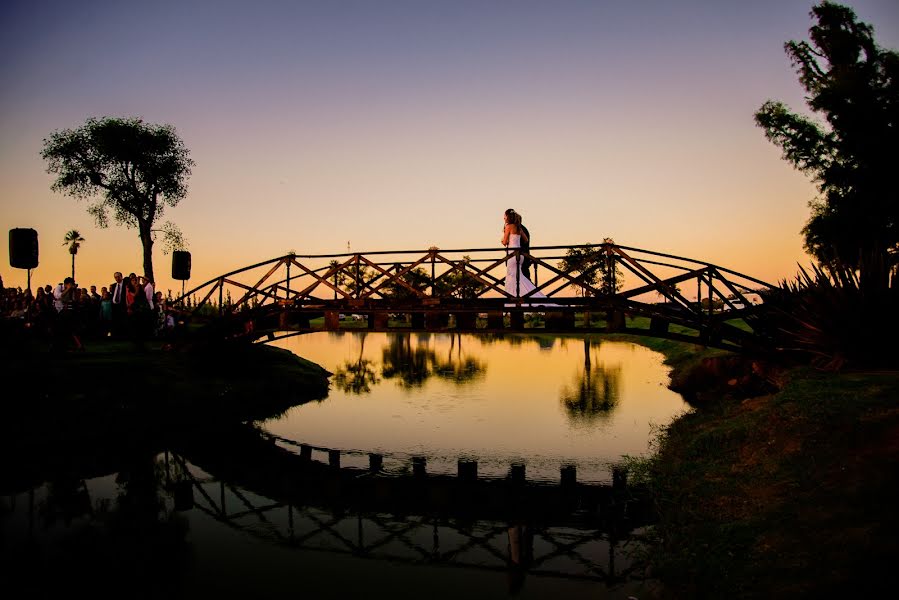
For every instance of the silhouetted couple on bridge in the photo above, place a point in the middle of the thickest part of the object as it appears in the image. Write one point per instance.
(517, 236)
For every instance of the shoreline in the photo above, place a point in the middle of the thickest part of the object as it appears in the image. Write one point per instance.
(781, 482)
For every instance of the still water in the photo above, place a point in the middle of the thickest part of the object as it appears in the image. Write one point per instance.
(545, 402)
(236, 513)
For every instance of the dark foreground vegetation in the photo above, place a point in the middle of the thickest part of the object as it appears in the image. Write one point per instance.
(791, 494)
(118, 394)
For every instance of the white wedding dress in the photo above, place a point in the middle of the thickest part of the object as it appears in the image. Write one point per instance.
(516, 283)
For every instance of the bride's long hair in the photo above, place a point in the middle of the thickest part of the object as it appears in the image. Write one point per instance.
(512, 217)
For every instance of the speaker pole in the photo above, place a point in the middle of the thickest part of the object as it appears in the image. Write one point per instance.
(29, 279)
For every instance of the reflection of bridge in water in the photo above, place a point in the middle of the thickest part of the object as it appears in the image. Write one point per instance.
(560, 530)
(588, 288)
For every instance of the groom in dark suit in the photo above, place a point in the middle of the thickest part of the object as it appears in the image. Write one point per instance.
(526, 261)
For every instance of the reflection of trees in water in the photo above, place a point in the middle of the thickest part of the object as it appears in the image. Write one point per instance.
(412, 366)
(458, 368)
(357, 376)
(139, 485)
(595, 391)
(134, 537)
(67, 499)
(544, 342)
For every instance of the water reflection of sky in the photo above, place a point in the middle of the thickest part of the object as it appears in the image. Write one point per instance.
(541, 400)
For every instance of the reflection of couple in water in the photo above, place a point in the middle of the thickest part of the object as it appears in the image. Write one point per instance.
(516, 235)
(521, 554)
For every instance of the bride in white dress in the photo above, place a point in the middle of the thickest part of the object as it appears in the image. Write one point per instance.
(517, 284)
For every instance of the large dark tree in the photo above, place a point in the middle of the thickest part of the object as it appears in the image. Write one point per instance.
(852, 84)
(129, 167)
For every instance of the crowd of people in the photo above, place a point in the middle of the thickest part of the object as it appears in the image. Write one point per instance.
(67, 316)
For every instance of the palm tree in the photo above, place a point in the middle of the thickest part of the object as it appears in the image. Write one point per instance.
(73, 239)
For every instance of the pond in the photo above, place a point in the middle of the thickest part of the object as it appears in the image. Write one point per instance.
(238, 511)
(543, 402)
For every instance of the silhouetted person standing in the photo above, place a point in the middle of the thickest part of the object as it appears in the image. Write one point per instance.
(119, 305)
(526, 261)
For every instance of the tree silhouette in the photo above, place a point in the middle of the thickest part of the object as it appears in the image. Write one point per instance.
(73, 240)
(854, 85)
(129, 167)
(594, 267)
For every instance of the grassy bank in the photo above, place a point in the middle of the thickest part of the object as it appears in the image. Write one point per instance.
(117, 386)
(789, 494)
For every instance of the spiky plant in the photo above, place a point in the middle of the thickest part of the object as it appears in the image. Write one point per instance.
(827, 316)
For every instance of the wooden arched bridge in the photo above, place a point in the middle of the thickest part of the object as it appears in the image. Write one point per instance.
(588, 288)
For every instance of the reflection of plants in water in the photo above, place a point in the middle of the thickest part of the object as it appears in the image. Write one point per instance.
(545, 342)
(595, 392)
(139, 483)
(414, 365)
(357, 376)
(67, 499)
(131, 534)
(459, 368)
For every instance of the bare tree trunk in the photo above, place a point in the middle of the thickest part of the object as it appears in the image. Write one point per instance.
(146, 240)
(73, 265)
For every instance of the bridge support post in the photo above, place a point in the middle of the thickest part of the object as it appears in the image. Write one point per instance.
(332, 320)
(619, 478)
(334, 459)
(615, 320)
(568, 476)
(434, 321)
(184, 495)
(658, 325)
(377, 321)
(305, 452)
(495, 320)
(375, 462)
(560, 320)
(466, 320)
(418, 320)
(419, 466)
(468, 470)
(516, 320)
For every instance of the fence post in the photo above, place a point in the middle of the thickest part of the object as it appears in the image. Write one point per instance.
(288, 279)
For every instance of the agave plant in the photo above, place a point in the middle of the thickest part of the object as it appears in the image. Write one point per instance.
(829, 317)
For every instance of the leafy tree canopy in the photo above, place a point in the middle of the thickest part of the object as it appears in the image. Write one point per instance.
(594, 267)
(129, 168)
(854, 85)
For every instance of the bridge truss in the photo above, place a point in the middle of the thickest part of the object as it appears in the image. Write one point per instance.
(588, 288)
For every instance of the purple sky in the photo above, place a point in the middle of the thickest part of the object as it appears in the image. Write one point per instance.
(409, 124)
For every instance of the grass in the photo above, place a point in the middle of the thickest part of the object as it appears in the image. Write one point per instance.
(786, 495)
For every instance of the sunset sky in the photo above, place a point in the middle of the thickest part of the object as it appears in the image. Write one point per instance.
(406, 124)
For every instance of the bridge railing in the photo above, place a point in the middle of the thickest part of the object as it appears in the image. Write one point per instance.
(567, 275)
